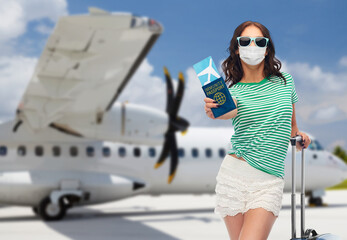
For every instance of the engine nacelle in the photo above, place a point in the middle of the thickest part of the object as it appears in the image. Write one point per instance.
(128, 123)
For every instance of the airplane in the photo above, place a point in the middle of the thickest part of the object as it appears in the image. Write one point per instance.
(72, 144)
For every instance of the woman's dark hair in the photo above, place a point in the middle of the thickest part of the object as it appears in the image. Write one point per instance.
(232, 67)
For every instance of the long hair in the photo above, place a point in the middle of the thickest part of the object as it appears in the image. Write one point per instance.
(232, 67)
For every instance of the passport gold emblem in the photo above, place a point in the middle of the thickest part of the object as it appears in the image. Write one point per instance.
(220, 98)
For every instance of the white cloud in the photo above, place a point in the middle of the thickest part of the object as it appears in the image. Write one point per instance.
(44, 29)
(220, 70)
(314, 78)
(12, 22)
(327, 114)
(322, 95)
(15, 15)
(15, 73)
(339, 142)
(144, 88)
(16, 69)
(39, 9)
(343, 61)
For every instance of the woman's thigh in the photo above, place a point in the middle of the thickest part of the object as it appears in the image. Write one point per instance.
(234, 225)
(257, 224)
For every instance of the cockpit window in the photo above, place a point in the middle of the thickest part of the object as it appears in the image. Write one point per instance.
(315, 145)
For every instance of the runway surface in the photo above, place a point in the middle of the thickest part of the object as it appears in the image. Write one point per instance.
(164, 217)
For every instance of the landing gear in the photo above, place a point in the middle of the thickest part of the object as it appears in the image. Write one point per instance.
(316, 202)
(315, 198)
(54, 206)
(50, 211)
(35, 210)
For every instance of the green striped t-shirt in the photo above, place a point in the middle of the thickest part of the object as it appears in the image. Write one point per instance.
(262, 125)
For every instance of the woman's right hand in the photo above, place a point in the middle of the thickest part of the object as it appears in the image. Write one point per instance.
(210, 103)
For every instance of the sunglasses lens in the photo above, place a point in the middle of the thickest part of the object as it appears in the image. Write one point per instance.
(244, 41)
(261, 42)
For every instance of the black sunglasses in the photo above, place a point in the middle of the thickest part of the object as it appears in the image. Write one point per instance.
(246, 41)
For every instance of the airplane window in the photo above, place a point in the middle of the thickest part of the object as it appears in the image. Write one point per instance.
(137, 152)
(3, 150)
(319, 146)
(151, 152)
(208, 152)
(106, 152)
(56, 151)
(195, 152)
(181, 152)
(221, 152)
(21, 151)
(311, 146)
(73, 151)
(90, 151)
(315, 145)
(121, 152)
(39, 151)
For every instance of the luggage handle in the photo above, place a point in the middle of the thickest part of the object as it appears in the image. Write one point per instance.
(293, 141)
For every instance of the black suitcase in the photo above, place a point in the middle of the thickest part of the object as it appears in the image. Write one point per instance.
(309, 234)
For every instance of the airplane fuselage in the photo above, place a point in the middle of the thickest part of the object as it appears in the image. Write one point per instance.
(30, 171)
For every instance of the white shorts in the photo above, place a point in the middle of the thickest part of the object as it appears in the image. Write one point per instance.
(241, 187)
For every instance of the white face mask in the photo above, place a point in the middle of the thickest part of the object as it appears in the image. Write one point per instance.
(252, 55)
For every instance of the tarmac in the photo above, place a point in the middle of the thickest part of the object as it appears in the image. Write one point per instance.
(164, 217)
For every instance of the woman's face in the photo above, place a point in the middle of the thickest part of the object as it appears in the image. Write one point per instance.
(251, 31)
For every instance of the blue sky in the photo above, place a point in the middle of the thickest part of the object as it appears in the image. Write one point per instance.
(309, 36)
(193, 30)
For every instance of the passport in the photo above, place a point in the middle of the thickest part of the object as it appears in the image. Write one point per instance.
(214, 86)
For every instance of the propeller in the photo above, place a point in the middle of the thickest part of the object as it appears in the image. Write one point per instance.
(176, 123)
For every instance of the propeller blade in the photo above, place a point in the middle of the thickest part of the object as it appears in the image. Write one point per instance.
(174, 156)
(179, 124)
(175, 123)
(179, 94)
(164, 152)
(184, 123)
(169, 89)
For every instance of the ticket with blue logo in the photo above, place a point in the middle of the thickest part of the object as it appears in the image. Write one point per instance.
(214, 86)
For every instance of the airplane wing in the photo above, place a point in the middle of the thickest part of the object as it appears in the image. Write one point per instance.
(86, 63)
(205, 71)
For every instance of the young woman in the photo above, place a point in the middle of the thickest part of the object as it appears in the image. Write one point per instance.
(250, 180)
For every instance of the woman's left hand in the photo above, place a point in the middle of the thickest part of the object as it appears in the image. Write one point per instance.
(303, 144)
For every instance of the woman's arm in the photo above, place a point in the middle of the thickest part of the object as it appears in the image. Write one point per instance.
(295, 132)
(210, 103)
(295, 128)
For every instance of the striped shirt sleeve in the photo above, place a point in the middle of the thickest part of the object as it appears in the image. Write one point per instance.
(294, 95)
